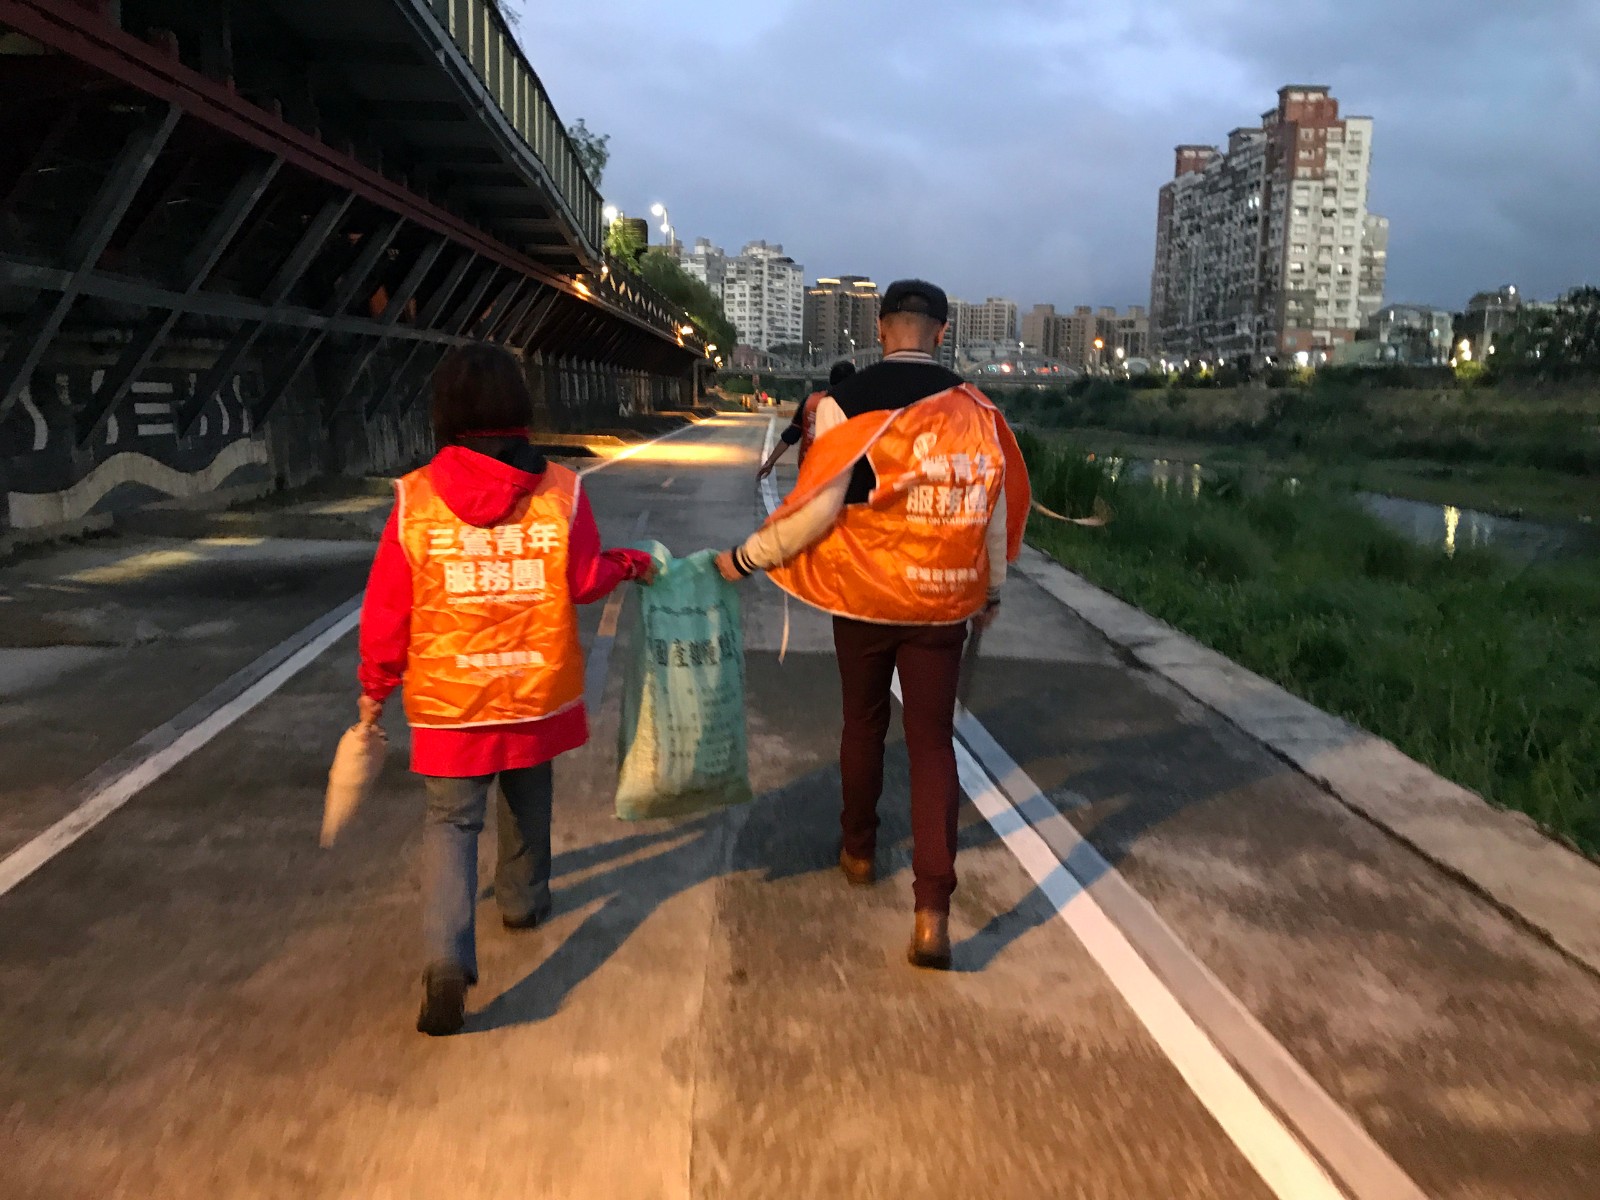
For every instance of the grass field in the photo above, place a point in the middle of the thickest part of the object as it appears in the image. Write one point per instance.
(1488, 673)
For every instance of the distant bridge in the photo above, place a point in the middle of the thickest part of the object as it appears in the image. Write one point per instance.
(267, 221)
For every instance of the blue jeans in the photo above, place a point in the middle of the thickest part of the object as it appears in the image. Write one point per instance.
(450, 858)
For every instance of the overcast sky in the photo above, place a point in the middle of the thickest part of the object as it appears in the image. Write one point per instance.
(1015, 147)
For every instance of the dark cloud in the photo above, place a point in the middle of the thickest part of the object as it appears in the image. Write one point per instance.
(1014, 147)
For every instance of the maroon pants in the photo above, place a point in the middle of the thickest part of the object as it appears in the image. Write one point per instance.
(929, 660)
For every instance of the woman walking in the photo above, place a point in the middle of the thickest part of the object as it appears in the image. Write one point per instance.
(470, 604)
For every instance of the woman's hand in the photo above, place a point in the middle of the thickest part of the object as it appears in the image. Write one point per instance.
(726, 569)
(647, 574)
(369, 710)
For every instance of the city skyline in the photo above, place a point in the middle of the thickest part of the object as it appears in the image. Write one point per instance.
(1040, 183)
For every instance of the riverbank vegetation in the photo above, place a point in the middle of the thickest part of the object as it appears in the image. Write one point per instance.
(1487, 672)
(1515, 446)
(1510, 491)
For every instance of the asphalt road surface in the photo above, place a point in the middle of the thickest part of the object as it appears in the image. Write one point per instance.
(1182, 970)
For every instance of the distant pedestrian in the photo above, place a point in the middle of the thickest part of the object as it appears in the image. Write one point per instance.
(909, 505)
(803, 429)
(470, 605)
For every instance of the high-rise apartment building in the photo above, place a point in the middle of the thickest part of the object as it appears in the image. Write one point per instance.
(763, 294)
(841, 317)
(1266, 250)
(1128, 335)
(1044, 331)
(707, 263)
(994, 321)
(1070, 337)
(1374, 264)
(954, 324)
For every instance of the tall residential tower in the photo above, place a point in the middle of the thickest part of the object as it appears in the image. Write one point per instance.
(841, 317)
(1266, 250)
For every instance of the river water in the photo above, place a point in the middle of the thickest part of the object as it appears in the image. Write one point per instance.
(1442, 525)
(1452, 528)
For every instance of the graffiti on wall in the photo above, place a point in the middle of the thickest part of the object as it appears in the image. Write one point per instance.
(139, 456)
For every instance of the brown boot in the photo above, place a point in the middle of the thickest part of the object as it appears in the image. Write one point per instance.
(930, 941)
(859, 871)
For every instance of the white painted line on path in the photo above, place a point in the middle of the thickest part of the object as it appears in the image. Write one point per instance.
(769, 485)
(159, 751)
(1116, 922)
(1285, 1166)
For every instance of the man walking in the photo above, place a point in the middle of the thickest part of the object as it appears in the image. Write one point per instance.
(803, 429)
(909, 505)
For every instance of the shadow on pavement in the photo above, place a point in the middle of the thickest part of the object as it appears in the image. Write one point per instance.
(631, 892)
(783, 834)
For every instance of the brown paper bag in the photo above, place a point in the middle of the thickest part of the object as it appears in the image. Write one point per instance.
(356, 764)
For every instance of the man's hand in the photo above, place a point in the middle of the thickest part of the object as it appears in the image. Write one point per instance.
(726, 569)
(986, 616)
(369, 710)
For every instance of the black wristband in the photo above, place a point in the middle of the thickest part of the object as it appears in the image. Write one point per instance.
(740, 563)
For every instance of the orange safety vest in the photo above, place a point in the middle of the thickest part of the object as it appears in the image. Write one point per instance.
(917, 552)
(494, 634)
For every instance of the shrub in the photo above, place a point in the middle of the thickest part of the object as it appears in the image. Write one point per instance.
(1071, 481)
(1390, 556)
(1225, 550)
(1275, 513)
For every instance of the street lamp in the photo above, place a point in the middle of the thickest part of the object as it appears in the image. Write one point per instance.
(611, 212)
(659, 210)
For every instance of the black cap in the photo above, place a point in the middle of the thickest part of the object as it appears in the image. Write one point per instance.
(915, 296)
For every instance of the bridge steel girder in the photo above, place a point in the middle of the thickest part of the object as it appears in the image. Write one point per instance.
(555, 328)
(484, 326)
(535, 306)
(124, 290)
(537, 311)
(507, 329)
(89, 241)
(418, 272)
(471, 306)
(428, 319)
(79, 31)
(376, 243)
(66, 119)
(208, 249)
(289, 273)
(466, 315)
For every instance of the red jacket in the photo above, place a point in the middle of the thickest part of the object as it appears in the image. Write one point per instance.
(481, 491)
